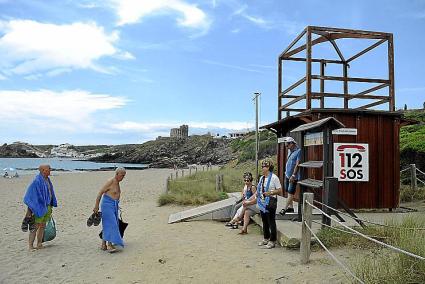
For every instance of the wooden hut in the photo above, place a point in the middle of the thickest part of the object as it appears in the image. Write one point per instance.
(379, 128)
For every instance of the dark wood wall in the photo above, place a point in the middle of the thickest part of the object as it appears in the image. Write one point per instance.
(381, 132)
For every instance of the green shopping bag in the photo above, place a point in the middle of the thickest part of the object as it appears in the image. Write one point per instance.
(49, 230)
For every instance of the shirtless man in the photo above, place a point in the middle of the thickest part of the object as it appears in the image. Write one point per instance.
(111, 193)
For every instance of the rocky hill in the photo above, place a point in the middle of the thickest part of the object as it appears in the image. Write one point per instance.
(20, 150)
(167, 152)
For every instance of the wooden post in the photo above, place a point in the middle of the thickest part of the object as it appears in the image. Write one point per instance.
(171, 176)
(305, 232)
(322, 83)
(167, 185)
(221, 182)
(203, 167)
(196, 169)
(345, 72)
(308, 82)
(190, 170)
(330, 198)
(217, 183)
(177, 174)
(182, 173)
(413, 180)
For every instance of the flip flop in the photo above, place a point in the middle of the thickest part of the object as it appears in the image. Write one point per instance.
(90, 220)
(229, 224)
(25, 224)
(97, 218)
(234, 226)
(242, 233)
(114, 250)
(32, 226)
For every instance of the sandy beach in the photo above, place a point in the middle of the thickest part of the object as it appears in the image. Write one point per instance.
(155, 252)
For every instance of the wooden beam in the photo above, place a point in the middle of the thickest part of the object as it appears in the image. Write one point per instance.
(302, 47)
(299, 98)
(376, 44)
(292, 109)
(299, 82)
(349, 96)
(322, 83)
(289, 96)
(339, 30)
(365, 92)
(350, 79)
(334, 36)
(293, 43)
(328, 37)
(373, 104)
(345, 75)
(279, 87)
(391, 72)
(308, 69)
(315, 60)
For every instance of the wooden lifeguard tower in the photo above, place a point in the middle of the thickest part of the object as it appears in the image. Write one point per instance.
(374, 123)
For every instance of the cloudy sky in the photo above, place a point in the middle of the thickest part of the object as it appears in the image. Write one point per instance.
(126, 71)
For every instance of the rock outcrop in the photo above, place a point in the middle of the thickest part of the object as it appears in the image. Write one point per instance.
(165, 153)
(20, 150)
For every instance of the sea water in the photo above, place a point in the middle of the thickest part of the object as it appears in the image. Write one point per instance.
(30, 165)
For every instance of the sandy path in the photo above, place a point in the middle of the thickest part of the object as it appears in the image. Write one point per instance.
(192, 252)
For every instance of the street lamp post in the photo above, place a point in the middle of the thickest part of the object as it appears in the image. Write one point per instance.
(257, 142)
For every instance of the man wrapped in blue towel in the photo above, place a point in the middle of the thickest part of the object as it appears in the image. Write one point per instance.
(111, 193)
(40, 198)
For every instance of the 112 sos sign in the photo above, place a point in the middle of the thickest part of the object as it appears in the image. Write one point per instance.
(351, 161)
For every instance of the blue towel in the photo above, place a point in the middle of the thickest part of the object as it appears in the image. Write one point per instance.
(37, 197)
(262, 200)
(111, 232)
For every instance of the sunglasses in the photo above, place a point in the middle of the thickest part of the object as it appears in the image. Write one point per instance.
(247, 180)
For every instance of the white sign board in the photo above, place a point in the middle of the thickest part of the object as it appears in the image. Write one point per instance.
(351, 161)
(345, 131)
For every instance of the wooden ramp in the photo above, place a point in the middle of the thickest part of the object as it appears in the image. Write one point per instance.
(220, 210)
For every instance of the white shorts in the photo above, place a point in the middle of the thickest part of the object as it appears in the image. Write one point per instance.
(251, 210)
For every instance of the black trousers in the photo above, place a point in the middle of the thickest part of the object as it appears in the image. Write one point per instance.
(269, 224)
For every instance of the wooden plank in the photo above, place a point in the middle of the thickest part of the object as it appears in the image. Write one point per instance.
(350, 79)
(301, 48)
(299, 98)
(365, 92)
(315, 60)
(376, 44)
(289, 96)
(374, 104)
(293, 43)
(349, 96)
(311, 164)
(293, 86)
(312, 183)
(340, 30)
(292, 109)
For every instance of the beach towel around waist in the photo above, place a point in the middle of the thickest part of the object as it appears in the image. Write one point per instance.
(110, 226)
